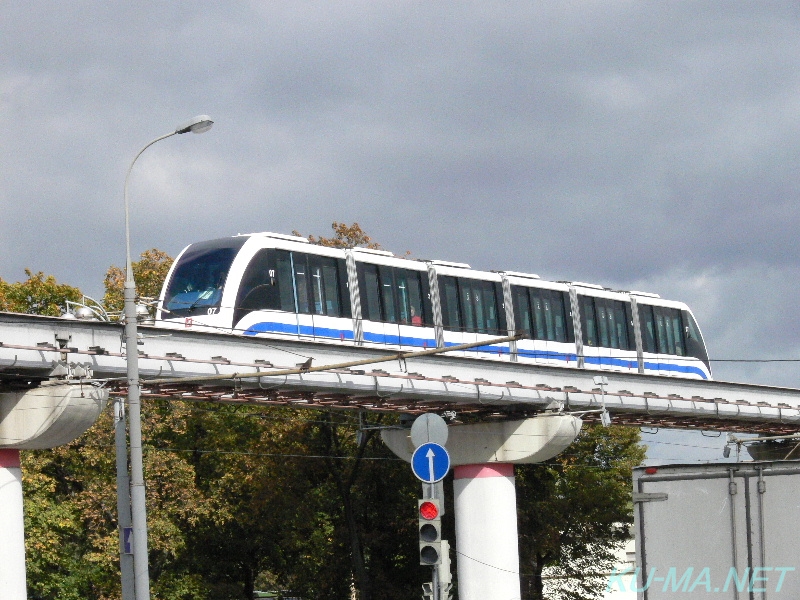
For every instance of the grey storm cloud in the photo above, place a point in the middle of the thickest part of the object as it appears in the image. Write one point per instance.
(639, 145)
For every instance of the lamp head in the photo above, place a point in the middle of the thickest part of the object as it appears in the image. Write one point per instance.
(199, 124)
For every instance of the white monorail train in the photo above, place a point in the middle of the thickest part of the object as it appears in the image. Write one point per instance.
(268, 284)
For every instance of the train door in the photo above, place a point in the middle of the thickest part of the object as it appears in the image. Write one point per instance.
(371, 304)
(489, 319)
(647, 325)
(452, 323)
(670, 340)
(595, 356)
(528, 349)
(302, 285)
(412, 310)
(391, 317)
(615, 335)
(551, 327)
(329, 302)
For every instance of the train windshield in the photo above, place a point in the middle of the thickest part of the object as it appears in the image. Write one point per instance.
(199, 277)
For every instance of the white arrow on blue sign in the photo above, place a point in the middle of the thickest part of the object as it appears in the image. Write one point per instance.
(430, 462)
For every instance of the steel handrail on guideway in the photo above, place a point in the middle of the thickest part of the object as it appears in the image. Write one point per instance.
(277, 370)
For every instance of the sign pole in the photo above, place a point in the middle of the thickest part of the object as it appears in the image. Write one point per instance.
(430, 463)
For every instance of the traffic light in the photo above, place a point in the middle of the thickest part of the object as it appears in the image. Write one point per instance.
(430, 532)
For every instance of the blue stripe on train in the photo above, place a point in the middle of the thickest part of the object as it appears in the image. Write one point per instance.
(398, 340)
(293, 328)
(380, 338)
(675, 368)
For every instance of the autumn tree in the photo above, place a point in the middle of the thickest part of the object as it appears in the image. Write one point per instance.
(149, 273)
(39, 294)
(344, 236)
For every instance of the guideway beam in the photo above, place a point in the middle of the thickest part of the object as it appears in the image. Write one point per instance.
(31, 345)
(484, 455)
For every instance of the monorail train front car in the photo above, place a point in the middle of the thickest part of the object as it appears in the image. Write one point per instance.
(268, 284)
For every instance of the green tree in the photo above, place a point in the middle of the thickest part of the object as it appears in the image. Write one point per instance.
(575, 511)
(39, 294)
(72, 543)
(369, 497)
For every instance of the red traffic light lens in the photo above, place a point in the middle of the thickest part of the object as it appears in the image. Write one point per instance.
(428, 510)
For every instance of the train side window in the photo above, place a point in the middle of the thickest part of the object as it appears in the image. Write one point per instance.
(256, 289)
(427, 303)
(409, 295)
(283, 272)
(478, 306)
(259, 287)
(449, 299)
(588, 320)
(628, 325)
(393, 295)
(317, 289)
(677, 331)
(612, 321)
(537, 314)
(324, 277)
(388, 300)
(563, 332)
(669, 331)
(549, 315)
(620, 328)
(300, 273)
(550, 318)
(647, 326)
(330, 275)
(344, 287)
(694, 340)
(604, 315)
(371, 299)
(522, 310)
(468, 301)
(487, 297)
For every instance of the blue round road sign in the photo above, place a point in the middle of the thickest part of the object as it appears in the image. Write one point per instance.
(430, 462)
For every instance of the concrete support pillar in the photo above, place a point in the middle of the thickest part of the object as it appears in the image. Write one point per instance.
(486, 532)
(483, 456)
(12, 528)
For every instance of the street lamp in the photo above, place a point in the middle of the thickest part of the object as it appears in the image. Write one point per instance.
(141, 576)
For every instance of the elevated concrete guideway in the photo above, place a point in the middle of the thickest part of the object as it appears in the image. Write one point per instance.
(55, 375)
(33, 349)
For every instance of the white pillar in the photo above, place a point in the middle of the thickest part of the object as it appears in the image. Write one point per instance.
(486, 532)
(12, 528)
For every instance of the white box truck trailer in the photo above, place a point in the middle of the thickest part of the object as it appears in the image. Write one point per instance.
(725, 530)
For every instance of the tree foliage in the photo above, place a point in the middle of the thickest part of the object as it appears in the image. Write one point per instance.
(344, 236)
(575, 511)
(149, 273)
(39, 294)
(72, 544)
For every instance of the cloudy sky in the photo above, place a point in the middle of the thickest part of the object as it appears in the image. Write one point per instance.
(641, 145)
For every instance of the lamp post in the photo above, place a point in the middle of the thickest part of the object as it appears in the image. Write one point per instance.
(141, 576)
